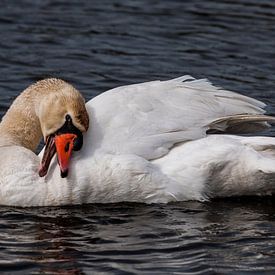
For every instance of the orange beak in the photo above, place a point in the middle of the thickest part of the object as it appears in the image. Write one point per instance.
(64, 144)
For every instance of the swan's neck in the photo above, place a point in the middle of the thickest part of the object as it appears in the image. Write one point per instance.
(41, 108)
(20, 125)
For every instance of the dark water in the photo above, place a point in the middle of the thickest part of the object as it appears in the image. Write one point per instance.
(97, 45)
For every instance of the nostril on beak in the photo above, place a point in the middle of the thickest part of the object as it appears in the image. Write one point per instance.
(67, 147)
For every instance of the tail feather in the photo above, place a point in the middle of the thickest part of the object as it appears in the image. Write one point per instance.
(240, 124)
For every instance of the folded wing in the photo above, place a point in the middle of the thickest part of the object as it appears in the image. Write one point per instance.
(148, 119)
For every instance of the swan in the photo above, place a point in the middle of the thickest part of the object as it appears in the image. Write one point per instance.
(153, 142)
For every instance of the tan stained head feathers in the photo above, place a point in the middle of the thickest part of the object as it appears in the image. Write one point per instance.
(40, 110)
(62, 99)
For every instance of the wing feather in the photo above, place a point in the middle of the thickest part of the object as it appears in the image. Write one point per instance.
(148, 119)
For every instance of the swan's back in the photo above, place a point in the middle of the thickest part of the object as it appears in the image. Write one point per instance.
(148, 119)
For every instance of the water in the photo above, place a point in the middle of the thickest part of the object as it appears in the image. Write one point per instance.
(97, 45)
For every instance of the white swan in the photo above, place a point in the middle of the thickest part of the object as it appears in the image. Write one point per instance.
(148, 143)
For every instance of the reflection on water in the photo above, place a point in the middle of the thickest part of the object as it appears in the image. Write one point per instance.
(97, 45)
(116, 238)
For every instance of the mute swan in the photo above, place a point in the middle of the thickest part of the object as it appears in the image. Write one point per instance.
(50, 108)
(151, 143)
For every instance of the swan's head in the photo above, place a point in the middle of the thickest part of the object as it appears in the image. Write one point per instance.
(63, 118)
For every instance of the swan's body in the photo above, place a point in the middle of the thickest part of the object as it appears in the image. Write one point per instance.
(148, 143)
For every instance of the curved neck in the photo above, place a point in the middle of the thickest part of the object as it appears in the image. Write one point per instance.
(41, 108)
(20, 125)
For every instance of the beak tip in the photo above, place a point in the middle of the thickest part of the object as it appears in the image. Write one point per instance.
(42, 172)
(64, 173)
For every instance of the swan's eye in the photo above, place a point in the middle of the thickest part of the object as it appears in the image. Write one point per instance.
(78, 117)
(78, 142)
